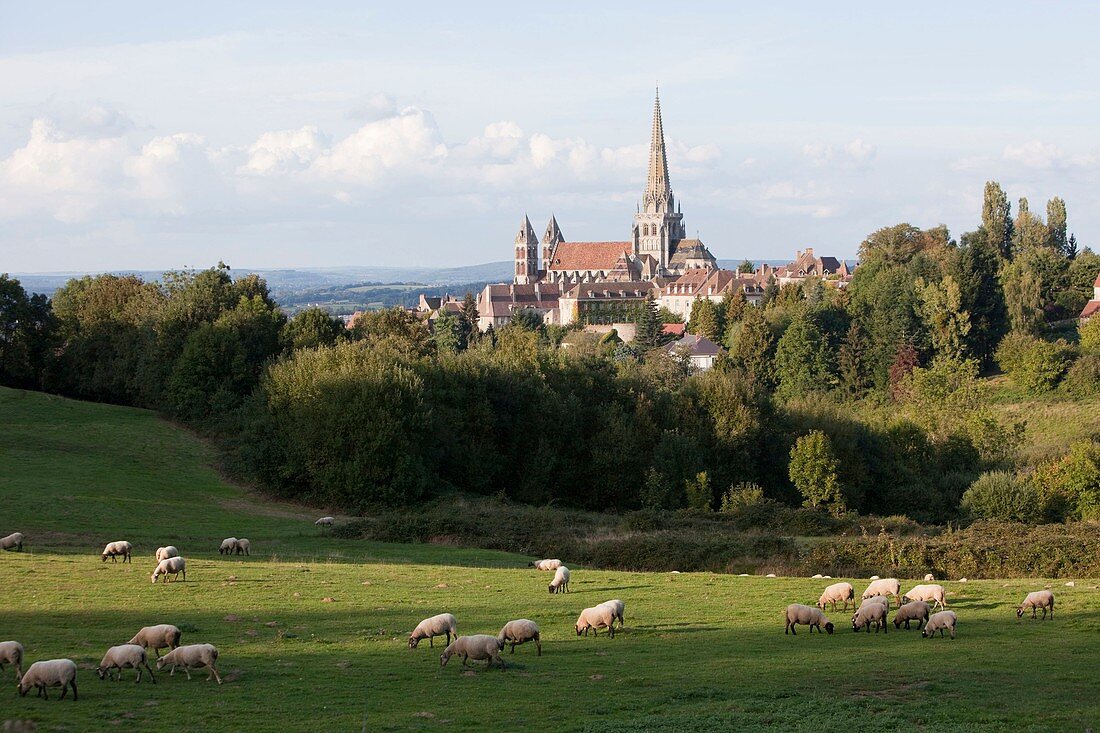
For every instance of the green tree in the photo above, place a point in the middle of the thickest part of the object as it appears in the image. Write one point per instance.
(733, 305)
(1029, 232)
(648, 333)
(700, 495)
(704, 319)
(851, 362)
(447, 332)
(997, 219)
(803, 363)
(1056, 227)
(975, 267)
(941, 308)
(469, 331)
(746, 267)
(1023, 297)
(393, 327)
(27, 334)
(813, 471)
(753, 351)
(1089, 335)
(311, 328)
(1000, 495)
(664, 315)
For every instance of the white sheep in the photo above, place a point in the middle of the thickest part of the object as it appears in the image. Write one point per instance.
(1043, 599)
(870, 613)
(244, 546)
(439, 625)
(930, 592)
(326, 521)
(125, 656)
(520, 631)
(192, 656)
(939, 622)
(11, 652)
(545, 564)
(172, 566)
(161, 636)
(798, 613)
(49, 673)
(114, 549)
(163, 553)
(835, 593)
(229, 544)
(618, 608)
(884, 587)
(928, 577)
(560, 583)
(881, 600)
(595, 618)
(13, 541)
(476, 647)
(913, 611)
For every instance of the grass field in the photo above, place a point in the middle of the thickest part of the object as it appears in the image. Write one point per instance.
(699, 652)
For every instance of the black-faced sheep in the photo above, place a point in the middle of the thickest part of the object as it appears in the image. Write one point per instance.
(11, 652)
(871, 613)
(114, 549)
(49, 673)
(798, 613)
(1043, 599)
(595, 618)
(836, 593)
(161, 636)
(913, 611)
(125, 656)
(13, 541)
(439, 625)
(560, 583)
(520, 631)
(944, 620)
(189, 657)
(476, 647)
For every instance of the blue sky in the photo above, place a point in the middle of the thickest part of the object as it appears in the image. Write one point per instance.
(139, 135)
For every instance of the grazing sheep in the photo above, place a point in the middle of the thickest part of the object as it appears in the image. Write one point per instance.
(229, 544)
(618, 608)
(122, 656)
(913, 611)
(172, 566)
(871, 613)
(545, 564)
(881, 600)
(807, 616)
(939, 622)
(835, 593)
(884, 587)
(11, 652)
(934, 593)
(193, 656)
(244, 546)
(519, 631)
(475, 647)
(114, 549)
(326, 521)
(1043, 599)
(163, 553)
(161, 636)
(594, 618)
(928, 577)
(50, 673)
(13, 541)
(560, 583)
(429, 628)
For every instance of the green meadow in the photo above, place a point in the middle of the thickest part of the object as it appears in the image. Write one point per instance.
(312, 629)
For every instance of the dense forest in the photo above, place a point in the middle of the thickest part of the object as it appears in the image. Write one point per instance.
(867, 399)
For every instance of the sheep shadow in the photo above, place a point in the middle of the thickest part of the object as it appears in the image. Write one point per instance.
(616, 587)
(685, 627)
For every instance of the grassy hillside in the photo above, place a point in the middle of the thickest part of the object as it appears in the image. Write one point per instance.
(700, 651)
(1054, 420)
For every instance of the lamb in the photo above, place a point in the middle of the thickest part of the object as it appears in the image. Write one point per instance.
(931, 592)
(123, 656)
(807, 616)
(545, 564)
(13, 541)
(229, 544)
(429, 628)
(618, 607)
(326, 521)
(172, 566)
(835, 593)
(114, 549)
(594, 618)
(161, 636)
(49, 673)
(11, 652)
(476, 647)
(560, 583)
(244, 546)
(1043, 599)
(871, 613)
(518, 632)
(884, 587)
(939, 622)
(192, 656)
(913, 611)
(163, 553)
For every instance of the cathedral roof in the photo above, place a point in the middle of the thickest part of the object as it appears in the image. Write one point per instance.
(588, 255)
(689, 249)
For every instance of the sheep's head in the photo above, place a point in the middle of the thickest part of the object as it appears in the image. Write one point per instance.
(829, 626)
(551, 588)
(924, 632)
(103, 557)
(444, 658)
(21, 688)
(413, 641)
(100, 671)
(1019, 611)
(580, 628)
(161, 662)
(905, 599)
(156, 574)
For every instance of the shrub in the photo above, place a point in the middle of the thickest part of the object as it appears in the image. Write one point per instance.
(1089, 336)
(740, 496)
(699, 493)
(1083, 378)
(1034, 364)
(1000, 495)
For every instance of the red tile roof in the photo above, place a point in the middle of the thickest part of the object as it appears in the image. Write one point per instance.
(1097, 283)
(588, 255)
(675, 329)
(1091, 309)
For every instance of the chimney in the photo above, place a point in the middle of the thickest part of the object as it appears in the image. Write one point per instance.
(809, 251)
(798, 254)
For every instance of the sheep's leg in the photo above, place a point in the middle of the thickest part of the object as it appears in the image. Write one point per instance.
(513, 647)
(214, 671)
(42, 692)
(611, 630)
(539, 645)
(431, 642)
(64, 690)
(187, 670)
(73, 685)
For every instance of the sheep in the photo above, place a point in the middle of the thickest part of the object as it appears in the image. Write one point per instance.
(11, 652)
(13, 541)
(884, 587)
(163, 553)
(837, 592)
(807, 616)
(443, 624)
(122, 656)
(244, 546)
(545, 564)
(326, 521)
(928, 577)
(172, 566)
(49, 673)
(932, 592)
(188, 657)
(519, 631)
(114, 549)
(229, 544)
(161, 636)
(560, 583)
(881, 600)
(595, 617)
(476, 647)
(618, 608)
(913, 611)
(939, 622)
(1043, 599)
(871, 613)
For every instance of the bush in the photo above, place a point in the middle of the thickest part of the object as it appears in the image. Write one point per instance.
(1083, 378)
(1000, 495)
(740, 496)
(1034, 364)
(1089, 335)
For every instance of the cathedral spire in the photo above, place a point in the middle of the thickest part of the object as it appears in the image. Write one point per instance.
(657, 188)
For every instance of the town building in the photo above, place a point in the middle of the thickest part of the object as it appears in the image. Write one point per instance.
(1093, 306)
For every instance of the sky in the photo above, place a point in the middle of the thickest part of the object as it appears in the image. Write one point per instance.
(164, 135)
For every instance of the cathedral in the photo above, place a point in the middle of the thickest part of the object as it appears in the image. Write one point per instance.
(657, 248)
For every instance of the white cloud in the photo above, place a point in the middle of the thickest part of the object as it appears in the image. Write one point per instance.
(856, 153)
(405, 143)
(284, 151)
(1037, 154)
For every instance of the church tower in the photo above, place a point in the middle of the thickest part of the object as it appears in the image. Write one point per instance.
(657, 224)
(527, 254)
(550, 241)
